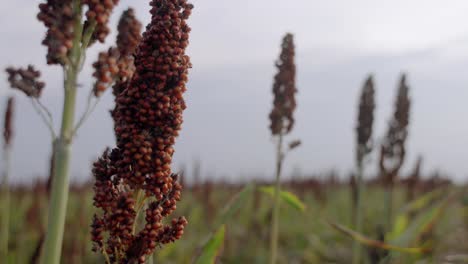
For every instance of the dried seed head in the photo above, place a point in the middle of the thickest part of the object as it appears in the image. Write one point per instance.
(8, 125)
(58, 18)
(392, 153)
(99, 11)
(365, 120)
(284, 89)
(26, 80)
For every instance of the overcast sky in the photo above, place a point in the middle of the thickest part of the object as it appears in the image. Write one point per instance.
(233, 46)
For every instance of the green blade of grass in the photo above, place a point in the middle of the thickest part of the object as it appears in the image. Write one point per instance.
(212, 248)
(422, 223)
(402, 220)
(235, 204)
(375, 243)
(288, 197)
(421, 202)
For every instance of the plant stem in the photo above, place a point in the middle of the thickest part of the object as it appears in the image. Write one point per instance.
(62, 150)
(357, 249)
(59, 188)
(5, 203)
(276, 202)
(388, 199)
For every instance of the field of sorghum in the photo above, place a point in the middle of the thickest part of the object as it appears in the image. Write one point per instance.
(304, 236)
(138, 209)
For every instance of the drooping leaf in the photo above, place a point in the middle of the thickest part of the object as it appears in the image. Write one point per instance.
(421, 202)
(375, 243)
(421, 224)
(402, 219)
(401, 223)
(212, 248)
(287, 197)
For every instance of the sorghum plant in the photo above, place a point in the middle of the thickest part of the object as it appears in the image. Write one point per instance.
(363, 148)
(137, 174)
(392, 151)
(282, 122)
(70, 32)
(4, 191)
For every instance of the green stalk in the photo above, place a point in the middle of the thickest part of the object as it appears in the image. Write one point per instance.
(62, 150)
(357, 249)
(5, 205)
(388, 199)
(276, 202)
(60, 184)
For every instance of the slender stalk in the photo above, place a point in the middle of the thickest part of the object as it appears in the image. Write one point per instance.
(276, 202)
(357, 249)
(60, 184)
(62, 149)
(5, 203)
(388, 199)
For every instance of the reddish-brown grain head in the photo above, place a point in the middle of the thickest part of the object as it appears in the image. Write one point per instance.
(100, 12)
(26, 80)
(284, 89)
(365, 119)
(8, 122)
(57, 16)
(393, 150)
(148, 118)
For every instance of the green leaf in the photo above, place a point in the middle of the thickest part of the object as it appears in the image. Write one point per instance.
(211, 249)
(421, 224)
(402, 219)
(421, 202)
(287, 197)
(375, 243)
(401, 223)
(236, 202)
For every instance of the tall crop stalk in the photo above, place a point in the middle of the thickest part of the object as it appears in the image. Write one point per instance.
(363, 148)
(276, 200)
(62, 145)
(67, 39)
(392, 151)
(282, 121)
(4, 191)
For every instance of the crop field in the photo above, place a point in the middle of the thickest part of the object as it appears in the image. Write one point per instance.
(305, 236)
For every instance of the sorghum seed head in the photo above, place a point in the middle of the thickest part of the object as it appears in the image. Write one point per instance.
(99, 11)
(129, 33)
(116, 66)
(393, 148)
(58, 18)
(284, 89)
(148, 117)
(26, 80)
(149, 111)
(365, 119)
(105, 70)
(8, 125)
